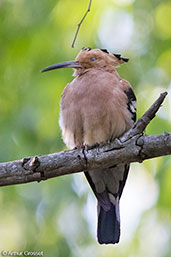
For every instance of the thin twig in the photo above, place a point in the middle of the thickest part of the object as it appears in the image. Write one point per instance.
(76, 34)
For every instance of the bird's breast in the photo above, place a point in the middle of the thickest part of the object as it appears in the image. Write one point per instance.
(92, 109)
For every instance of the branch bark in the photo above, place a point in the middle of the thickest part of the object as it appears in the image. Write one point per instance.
(133, 146)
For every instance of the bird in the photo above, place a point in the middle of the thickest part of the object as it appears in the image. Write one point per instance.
(98, 106)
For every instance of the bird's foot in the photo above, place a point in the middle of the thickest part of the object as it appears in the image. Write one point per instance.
(82, 147)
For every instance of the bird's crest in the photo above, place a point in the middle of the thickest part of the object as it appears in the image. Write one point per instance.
(90, 58)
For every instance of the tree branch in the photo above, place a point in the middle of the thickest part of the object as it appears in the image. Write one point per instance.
(79, 25)
(133, 146)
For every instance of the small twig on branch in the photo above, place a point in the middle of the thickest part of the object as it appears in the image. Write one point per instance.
(142, 122)
(78, 28)
(133, 146)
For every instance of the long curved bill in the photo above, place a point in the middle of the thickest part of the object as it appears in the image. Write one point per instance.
(70, 64)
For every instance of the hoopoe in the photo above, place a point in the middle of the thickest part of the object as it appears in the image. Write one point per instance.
(98, 106)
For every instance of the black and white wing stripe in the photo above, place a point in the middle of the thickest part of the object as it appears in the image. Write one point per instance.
(131, 104)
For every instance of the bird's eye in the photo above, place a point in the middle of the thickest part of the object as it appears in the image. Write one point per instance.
(92, 59)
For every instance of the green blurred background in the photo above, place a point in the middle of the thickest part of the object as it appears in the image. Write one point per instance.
(58, 216)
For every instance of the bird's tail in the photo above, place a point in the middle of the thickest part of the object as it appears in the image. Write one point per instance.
(108, 230)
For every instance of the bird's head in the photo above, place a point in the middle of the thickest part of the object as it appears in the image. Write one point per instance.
(91, 58)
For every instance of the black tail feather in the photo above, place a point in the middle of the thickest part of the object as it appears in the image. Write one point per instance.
(108, 231)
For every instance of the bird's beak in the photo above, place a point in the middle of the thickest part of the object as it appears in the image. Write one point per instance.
(70, 64)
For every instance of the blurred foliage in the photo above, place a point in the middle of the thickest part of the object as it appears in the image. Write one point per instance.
(58, 216)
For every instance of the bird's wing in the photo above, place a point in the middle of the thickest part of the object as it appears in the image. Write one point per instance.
(131, 104)
(131, 98)
(114, 176)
